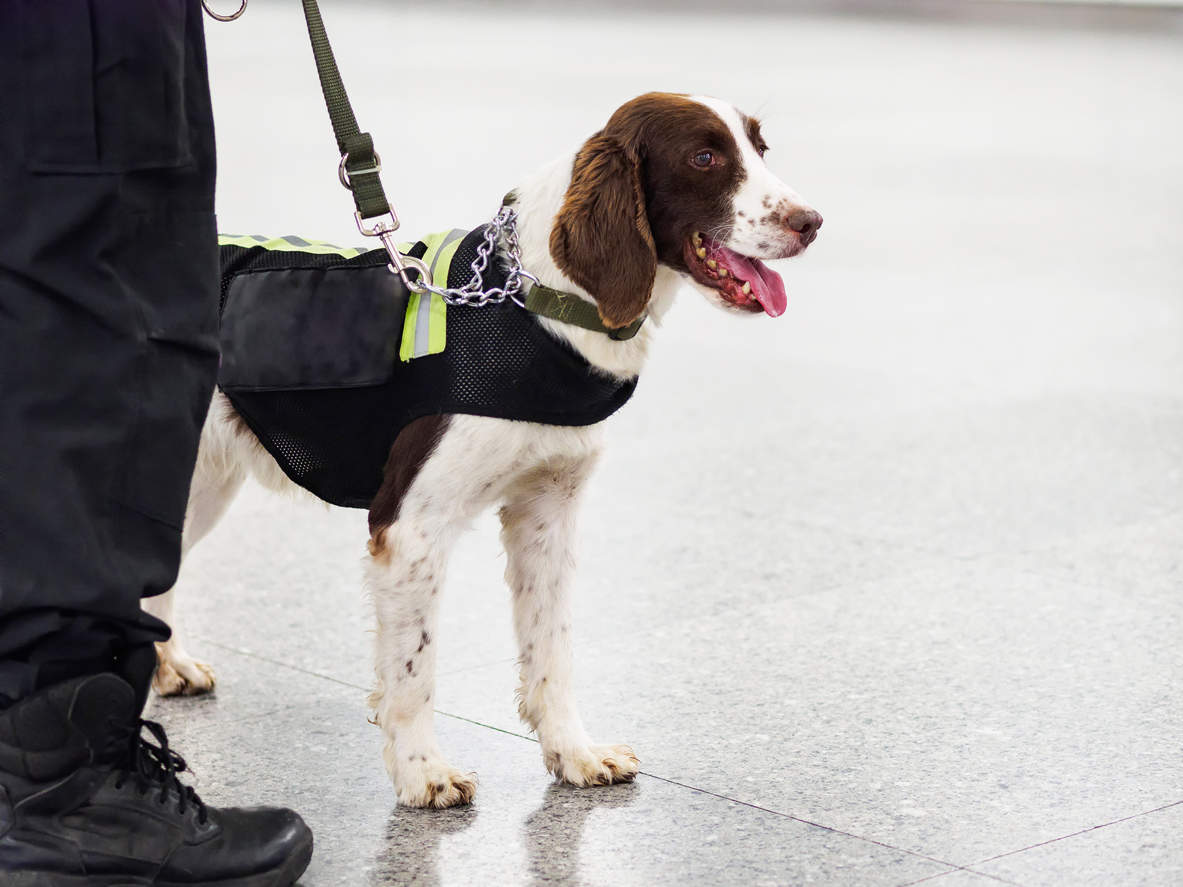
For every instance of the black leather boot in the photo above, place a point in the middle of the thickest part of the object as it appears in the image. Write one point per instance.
(85, 799)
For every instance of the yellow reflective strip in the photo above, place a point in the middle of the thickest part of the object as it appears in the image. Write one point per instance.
(237, 240)
(432, 242)
(279, 244)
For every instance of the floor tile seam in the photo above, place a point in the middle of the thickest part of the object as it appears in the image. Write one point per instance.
(352, 686)
(250, 654)
(241, 651)
(1078, 833)
(724, 797)
(803, 821)
(961, 868)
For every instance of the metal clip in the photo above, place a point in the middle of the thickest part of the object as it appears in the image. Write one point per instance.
(399, 264)
(516, 295)
(223, 18)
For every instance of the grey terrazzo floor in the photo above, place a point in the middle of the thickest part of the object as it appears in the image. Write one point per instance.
(887, 590)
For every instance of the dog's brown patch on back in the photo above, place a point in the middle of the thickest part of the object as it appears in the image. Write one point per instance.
(411, 449)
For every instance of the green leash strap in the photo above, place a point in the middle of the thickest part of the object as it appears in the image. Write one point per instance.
(568, 308)
(360, 165)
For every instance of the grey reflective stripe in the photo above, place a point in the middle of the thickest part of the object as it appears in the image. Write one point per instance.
(258, 237)
(422, 322)
(295, 241)
(423, 316)
(453, 235)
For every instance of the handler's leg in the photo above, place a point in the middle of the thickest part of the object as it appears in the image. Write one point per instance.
(108, 283)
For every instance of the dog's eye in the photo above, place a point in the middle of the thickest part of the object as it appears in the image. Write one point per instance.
(703, 159)
(762, 150)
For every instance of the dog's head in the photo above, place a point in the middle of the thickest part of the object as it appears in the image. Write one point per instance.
(680, 181)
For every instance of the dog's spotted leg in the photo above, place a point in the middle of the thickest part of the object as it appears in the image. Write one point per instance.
(405, 573)
(538, 526)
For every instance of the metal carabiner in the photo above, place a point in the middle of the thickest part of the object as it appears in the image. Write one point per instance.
(399, 264)
(223, 18)
(402, 265)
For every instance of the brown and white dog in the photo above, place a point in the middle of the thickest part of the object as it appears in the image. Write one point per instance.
(673, 190)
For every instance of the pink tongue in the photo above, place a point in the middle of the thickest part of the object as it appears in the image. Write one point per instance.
(767, 286)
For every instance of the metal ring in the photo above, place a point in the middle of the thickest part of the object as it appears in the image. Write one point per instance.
(223, 18)
(343, 173)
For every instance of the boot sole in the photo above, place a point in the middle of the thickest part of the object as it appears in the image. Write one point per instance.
(284, 876)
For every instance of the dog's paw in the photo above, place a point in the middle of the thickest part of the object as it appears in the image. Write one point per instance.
(593, 765)
(180, 675)
(433, 783)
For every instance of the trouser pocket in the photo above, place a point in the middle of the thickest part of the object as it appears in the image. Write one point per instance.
(174, 283)
(114, 98)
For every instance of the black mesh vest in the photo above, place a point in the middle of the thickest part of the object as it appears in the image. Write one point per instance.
(310, 362)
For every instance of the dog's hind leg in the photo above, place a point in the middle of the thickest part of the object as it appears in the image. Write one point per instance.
(538, 527)
(215, 482)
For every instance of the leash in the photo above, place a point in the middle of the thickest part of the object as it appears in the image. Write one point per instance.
(360, 168)
(359, 173)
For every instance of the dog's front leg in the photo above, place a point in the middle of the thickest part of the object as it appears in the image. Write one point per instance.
(538, 526)
(406, 571)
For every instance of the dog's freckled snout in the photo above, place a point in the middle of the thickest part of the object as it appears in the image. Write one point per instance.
(805, 222)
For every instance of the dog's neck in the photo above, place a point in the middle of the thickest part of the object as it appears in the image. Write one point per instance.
(538, 201)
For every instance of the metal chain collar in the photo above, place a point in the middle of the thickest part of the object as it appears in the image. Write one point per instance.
(473, 294)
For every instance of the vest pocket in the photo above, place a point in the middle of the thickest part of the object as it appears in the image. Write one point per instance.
(291, 329)
(112, 99)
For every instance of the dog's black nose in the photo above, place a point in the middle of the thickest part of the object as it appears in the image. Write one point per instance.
(805, 222)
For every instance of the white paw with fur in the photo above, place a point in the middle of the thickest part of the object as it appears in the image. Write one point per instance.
(593, 764)
(433, 782)
(179, 674)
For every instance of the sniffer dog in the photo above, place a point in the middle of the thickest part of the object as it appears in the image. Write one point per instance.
(673, 191)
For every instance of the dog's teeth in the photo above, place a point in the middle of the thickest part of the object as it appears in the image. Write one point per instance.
(722, 272)
(712, 264)
(747, 287)
(701, 253)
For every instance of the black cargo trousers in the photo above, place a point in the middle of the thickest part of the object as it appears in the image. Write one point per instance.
(108, 324)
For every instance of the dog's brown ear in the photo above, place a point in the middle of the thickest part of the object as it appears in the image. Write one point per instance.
(601, 237)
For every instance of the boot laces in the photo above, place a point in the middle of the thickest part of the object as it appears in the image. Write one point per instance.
(154, 765)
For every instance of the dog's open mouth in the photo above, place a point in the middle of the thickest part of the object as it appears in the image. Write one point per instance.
(746, 283)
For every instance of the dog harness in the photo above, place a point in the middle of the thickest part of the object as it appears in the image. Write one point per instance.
(327, 356)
